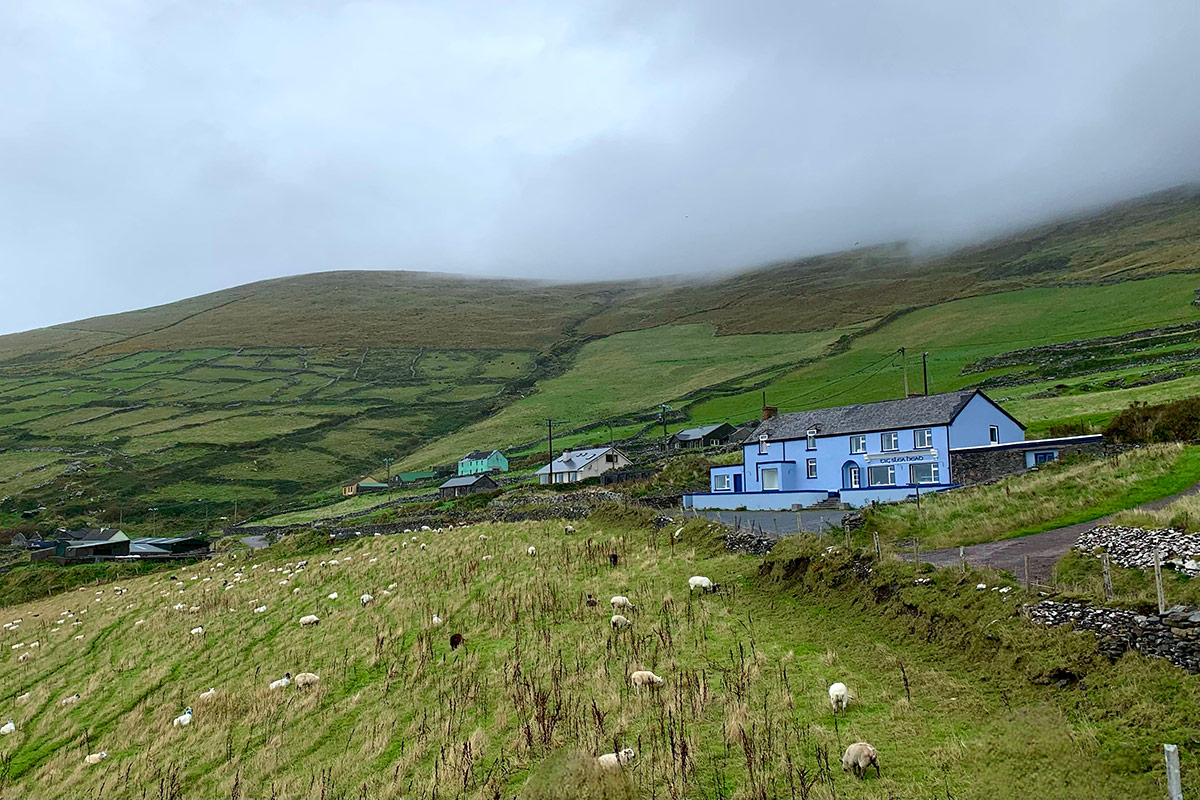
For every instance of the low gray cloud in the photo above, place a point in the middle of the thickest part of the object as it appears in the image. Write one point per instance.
(155, 150)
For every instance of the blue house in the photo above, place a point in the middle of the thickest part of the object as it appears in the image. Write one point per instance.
(858, 454)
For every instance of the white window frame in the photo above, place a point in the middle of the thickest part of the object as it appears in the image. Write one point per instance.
(855, 477)
(994, 434)
(934, 475)
(891, 473)
(762, 444)
(810, 439)
(766, 488)
(883, 441)
(922, 433)
(722, 483)
(811, 467)
(858, 443)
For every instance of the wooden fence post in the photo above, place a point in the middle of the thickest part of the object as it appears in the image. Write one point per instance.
(1174, 786)
(847, 541)
(875, 537)
(1162, 598)
(917, 552)
(799, 522)
(1108, 587)
(962, 557)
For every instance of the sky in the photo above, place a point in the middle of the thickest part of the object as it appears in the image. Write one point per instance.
(152, 150)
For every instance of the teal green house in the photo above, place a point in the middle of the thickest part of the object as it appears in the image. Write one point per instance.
(480, 461)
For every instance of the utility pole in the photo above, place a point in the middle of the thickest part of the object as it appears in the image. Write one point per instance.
(663, 414)
(610, 434)
(904, 369)
(387, 462)
(550, 446)
(925, 370)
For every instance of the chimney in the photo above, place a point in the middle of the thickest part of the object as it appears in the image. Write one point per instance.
(768, 412)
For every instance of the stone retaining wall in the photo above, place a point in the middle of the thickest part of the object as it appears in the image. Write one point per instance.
(1174, 636)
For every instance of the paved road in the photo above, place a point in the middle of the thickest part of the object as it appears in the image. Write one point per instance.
(1044, 549)
(780, 523)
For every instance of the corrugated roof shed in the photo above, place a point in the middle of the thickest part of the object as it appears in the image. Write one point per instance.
(464, 480)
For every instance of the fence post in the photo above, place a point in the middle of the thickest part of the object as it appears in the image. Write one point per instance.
(847, 541)
(1108, 587)
(875, 537)
(1027, 584)
(1174, 786)
(799, 522)
(1162, 598)
(962, 557)
(917, 552)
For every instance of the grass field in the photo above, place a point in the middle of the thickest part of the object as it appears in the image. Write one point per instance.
(743, 711)
(1058, 494)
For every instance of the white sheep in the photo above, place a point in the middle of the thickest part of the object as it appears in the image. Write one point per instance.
(23, 657)
(621, 601)
(333, 595)
(644, 677)
(569, 529)
(184, 719)
(23, 699)
(196, 631)
(70, 701)
(210, 694)
(308, 620)
(613, 760)
(306, 679)
(366, 600)
(260, 609)
(618, 621)
(283, 682)
(532, 550)
(9, 727)
(839, 697)
(858, 757)
(95, 758)
(436, 620)
(700, 582)
(34, 645)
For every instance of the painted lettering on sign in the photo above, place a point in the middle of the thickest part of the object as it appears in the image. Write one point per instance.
(904, 459)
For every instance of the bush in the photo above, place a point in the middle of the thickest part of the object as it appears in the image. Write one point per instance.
(575, 774)
(1176, 421)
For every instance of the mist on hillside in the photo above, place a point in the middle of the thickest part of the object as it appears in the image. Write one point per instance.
(153, 151)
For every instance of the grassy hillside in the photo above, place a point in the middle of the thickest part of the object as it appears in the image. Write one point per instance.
(263, 398)
(743, 711)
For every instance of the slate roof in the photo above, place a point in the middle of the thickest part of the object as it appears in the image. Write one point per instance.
(912, 412)
(465, 480)
(92, 535)
(477, 455)
(573, 460)
(688, 434)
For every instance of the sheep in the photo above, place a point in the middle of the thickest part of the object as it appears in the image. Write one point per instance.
(569, 529)
(436, 620)
(306, 679)
(839, 697)
(23, 699)
(393, 585)
(618, 621)
(183, 720)
(702, 583)
(70, 701)
(532, 550)
(333, 595)
(621, 601)
(210, 694)
(308, 620)
(34, 645)
(591, 602)
(23, 657)
(95, 758)
(644, 677)
(366, 600)
(260, 609)
(858, 757)
(455, 640)
(9, 727)
(621, 759)
(196, 631)
(283, 682)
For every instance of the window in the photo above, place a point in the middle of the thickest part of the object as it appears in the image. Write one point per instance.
(1045, 456)
(812, 468)
(923, 473)
(889, 441)
(922, 437)
(770, 480)
(611, 458)
(881, 476)
(720, 483)
(762, 444)
(852, 477)
(858, 443)
(812, 440)
(993, 434)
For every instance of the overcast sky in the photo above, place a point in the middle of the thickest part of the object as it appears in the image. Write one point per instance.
(151, 151)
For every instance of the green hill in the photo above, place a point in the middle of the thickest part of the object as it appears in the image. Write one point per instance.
(269, 395)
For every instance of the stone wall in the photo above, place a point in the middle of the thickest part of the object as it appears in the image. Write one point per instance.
(1174, 635)
(984, 465)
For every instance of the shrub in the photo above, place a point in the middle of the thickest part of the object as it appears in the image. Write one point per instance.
(576, 774)
(1176, 421)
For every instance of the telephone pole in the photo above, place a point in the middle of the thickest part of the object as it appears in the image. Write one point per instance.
(387, 462)
(925, 370)
(904, 369)
(664, 408)
(550, 448)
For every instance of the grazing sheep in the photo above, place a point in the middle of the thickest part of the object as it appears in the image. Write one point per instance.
(644, 677)
(70, 701)
(532, 550)
(591, 602)
(308, 620)
(455, 640)
(483, 537)
(283, 682)
(34, 645)
(184, 719)
(612, 760)
(393, 585)
(858, 757)
(9, 727)
(23, 698)
(366, 600)
(621, 601)
(306, 679)
(619, 622)
(436, 620)
(569, 529)
(23, 657)
(839, 697)
(210, 694)
(95, 758)
(702, 583)
(196, 631)
(333, 595)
